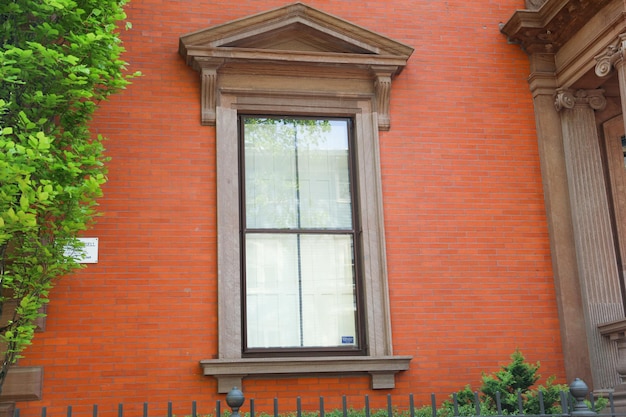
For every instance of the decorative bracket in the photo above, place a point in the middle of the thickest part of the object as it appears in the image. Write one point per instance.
(208, 72)
(382, 88)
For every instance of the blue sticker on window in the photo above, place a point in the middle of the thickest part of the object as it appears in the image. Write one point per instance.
(347, 340)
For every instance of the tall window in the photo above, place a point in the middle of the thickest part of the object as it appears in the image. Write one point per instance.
(299, 243)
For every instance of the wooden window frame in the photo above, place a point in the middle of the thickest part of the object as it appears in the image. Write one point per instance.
(353, 232)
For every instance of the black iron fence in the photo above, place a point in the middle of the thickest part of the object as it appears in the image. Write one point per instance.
(576, 402)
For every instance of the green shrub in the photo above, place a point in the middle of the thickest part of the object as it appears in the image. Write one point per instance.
(511, 383)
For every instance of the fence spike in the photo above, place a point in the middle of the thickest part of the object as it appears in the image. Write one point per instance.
(477, 403)
(433, 404)
(499, 402)
(455, 403)
(120, 410)
(564, 403)
(571, 406)
(612, 404)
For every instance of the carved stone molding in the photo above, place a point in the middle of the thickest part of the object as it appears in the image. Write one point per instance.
(294, 42)
(382, 87)
(616, 332)
(230, 373)
(23, 383)
(568, 99)
(546, 25)
(534, 4)
(208, 73)
(612, 54)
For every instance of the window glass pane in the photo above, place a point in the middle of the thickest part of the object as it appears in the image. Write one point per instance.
(300, 291)
(270, 174)
(272, 295)
(297, 174)
(328, 291)
(323, 176)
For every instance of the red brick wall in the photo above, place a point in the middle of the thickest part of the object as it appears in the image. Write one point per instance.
(467, 245)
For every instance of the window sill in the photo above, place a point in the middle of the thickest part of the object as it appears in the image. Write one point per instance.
(230, 372)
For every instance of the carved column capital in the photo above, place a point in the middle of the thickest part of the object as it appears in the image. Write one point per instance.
(567, 99)
(613, 54)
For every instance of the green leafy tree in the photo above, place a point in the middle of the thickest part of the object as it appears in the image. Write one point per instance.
(58, 59)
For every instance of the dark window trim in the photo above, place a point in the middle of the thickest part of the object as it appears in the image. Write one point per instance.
(355, 232)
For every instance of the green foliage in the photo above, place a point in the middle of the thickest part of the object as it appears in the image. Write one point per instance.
(518, 377)
(58, 59)
(514, 385)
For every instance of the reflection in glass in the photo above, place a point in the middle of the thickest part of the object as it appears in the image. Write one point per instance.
(299, 234)
(297, 174)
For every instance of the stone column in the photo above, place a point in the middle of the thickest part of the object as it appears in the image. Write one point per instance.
(613, 56)
(593, 236)
(543, 85)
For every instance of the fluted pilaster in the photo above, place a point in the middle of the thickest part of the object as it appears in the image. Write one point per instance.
(595, 251)
(543, 84)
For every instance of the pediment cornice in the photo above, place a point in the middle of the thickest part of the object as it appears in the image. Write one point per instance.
(299, 37)
(294, 33)
(550, 24)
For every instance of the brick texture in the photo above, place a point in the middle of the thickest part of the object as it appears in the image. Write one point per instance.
(467, 243)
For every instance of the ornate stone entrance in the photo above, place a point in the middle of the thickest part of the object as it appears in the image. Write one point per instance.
(578, 84)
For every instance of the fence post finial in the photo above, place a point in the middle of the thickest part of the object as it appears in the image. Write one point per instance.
(235, 400)
(579, 391)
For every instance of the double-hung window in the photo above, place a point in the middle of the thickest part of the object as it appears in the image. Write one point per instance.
(297, 98)
(300, 236)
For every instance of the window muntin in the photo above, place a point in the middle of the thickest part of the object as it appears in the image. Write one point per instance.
(299, 235)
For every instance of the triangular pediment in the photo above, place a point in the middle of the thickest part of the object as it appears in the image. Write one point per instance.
(295, 41)
(299, 37)
(295, 32)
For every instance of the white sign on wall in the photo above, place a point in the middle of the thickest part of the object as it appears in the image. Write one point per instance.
(88, 254)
